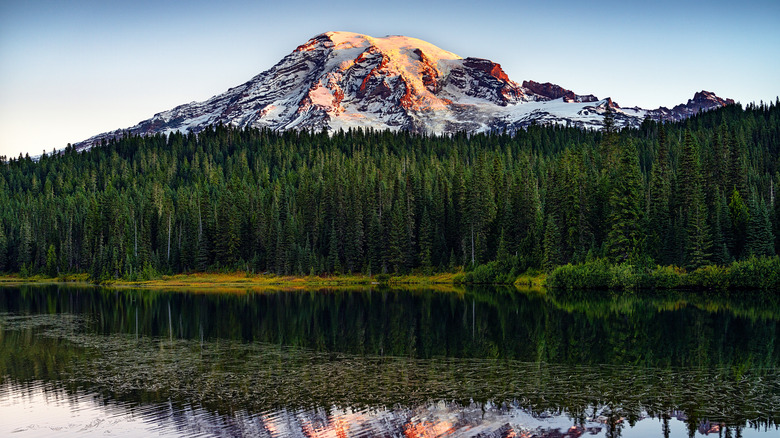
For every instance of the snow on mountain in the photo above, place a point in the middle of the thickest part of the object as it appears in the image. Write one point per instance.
(341, 80)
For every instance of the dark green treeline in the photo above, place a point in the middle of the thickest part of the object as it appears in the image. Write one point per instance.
(688, 194)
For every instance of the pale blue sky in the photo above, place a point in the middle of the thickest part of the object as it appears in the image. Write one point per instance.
(72, 69)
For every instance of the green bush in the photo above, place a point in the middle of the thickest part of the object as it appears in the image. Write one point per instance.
(623, 276)
(148, 273)
(459, 278)
(755, 273)
(666, 277)
(708, 277)
(590, 275)
(495, 272)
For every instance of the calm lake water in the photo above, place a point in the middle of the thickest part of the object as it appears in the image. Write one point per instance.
(490, 362)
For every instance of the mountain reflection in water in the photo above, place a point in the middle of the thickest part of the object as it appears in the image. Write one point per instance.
(486, 362)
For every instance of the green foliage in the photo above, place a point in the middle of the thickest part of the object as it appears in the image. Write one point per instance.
(625, 205)
(708, 277)
(3, 249)
(666, 277)
(753, 273)
(51, 262)
(364, 201)
(590, 275)
(495, 272)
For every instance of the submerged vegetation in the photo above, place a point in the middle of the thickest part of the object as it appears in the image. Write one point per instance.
(689, 204)
(562, 353)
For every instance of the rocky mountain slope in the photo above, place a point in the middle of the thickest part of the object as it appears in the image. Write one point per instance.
(341, 80)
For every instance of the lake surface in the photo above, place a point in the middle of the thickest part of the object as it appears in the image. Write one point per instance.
(491, 362)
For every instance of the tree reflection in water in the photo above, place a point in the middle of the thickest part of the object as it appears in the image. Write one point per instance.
(329, 357)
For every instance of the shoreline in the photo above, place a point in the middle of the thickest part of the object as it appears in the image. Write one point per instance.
(241, 281)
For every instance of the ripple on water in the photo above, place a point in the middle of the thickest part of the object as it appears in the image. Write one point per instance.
(78, 383)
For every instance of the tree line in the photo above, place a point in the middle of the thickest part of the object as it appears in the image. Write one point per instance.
(689, 194)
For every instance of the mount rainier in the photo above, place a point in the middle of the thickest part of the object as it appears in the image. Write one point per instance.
(341, 80)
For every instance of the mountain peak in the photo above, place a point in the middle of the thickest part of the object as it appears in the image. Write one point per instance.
(397, 45)
(708, 96)
(342, 80)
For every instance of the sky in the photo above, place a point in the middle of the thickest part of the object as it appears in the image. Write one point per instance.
(73, 69)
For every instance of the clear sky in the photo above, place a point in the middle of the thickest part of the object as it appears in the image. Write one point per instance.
(72, 69)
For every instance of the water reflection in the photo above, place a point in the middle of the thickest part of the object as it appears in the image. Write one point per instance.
(391, 363)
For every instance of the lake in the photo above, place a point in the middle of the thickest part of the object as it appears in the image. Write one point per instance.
(489, 362)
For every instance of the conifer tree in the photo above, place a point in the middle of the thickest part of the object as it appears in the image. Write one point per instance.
(3, 249)
(25, 244)
(740, 216)
(552, 239)
(398, 240)
(721, 224)
(625, 202)
(699, 243)
(334, 261)
(658, 200)
(52, 270)
(426, 240)
(760, 241)
(228, 233)
(698, 240)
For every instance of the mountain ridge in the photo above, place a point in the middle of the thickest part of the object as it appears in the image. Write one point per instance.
(342, 80)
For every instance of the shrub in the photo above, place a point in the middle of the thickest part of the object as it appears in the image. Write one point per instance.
(755, 273)
(623, 276)
(382, 278)
(590, 275)
(709, 277)
(666, 277)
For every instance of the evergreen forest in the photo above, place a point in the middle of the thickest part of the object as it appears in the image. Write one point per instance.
(691, 194)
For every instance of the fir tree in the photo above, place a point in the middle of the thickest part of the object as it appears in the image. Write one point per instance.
(52, 270)
(699, 243)
(426, 240)
(552, 239)
(740, 216)
(659, 194)
(625, 202)
(398, 239)
(3, 249)
(760, 241)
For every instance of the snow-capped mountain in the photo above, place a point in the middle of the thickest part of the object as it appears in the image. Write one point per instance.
(340, 80)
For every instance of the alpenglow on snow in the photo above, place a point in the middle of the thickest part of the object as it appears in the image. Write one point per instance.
(341, 80)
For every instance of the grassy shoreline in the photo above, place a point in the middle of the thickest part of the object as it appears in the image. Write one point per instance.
(241, 280)
(761, 273)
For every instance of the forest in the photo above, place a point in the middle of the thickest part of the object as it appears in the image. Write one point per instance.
(686, 196)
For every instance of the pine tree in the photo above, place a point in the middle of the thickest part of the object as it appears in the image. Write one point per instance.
(775, 207)
(502, 253)
(552, 248)
(658, 200)
(699, 243)
(398, 239)
(625, 202)
(228, 233)
(721, 224)
(608, 145)
(740, 216)
(3, 249)
(698, 240)
(25, 244)
(426, 240)
(334, 261)
(760, 241)
(52, 270)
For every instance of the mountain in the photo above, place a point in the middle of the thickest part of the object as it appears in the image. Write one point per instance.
(341, 80)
